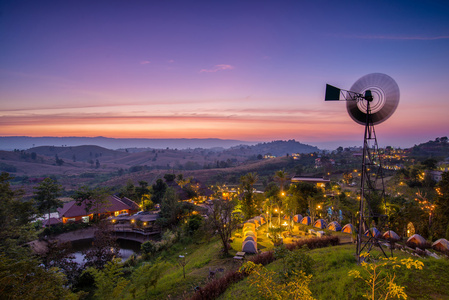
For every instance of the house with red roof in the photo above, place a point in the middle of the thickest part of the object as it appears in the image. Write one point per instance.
(112, 206)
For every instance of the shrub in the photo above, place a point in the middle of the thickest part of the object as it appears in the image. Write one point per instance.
(217, 286)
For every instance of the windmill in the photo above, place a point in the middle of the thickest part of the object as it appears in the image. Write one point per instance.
(371, 100)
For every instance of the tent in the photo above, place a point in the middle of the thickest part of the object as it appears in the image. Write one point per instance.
(249, 233)
(441, 245)
(250, 238)
(348, 228)
(297, 218)
(416, 241)
(263, 220)
(320, 223)
(334, 226)
(249, 225)
(306, 220)
(391, 236)
(373, 232)
(285, 217)
(249, 247)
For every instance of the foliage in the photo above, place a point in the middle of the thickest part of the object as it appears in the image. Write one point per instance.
(223, 220)
(147, 276)
(15, 218)
(109, 281)
(294, 261)
(158, 191)
(149, 248)
(23, 278)
(194, 222)
(379, 278)
(217, 286)
(170, 209)
(247, 183)
(46, 196)
(275, 235)
(104, 248)
(93, 199)
(270, 288)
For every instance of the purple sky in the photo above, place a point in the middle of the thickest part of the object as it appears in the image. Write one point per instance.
(248, 70)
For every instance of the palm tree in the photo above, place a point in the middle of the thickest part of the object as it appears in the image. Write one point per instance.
(281, 177)
(247, 183)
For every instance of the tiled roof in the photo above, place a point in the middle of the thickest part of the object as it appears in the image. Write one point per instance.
(71, 209)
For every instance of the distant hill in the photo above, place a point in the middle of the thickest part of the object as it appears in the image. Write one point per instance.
(277, 148)
(437, 148)
(24, 142)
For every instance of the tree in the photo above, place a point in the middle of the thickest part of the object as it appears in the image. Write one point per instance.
(170, 208)
(247, 185)
(281, 177)
(141, 190)
(15, 217)
(270, 288)
(146, 276)
(223, 220)
(46, 196)
(158, 191)
(104, 248)
(95, 200)
(379, 279)
(109, 281)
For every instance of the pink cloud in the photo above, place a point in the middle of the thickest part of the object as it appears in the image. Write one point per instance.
(217, 68)
(145, 62)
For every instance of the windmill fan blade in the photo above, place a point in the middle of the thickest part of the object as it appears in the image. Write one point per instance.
(385, 98)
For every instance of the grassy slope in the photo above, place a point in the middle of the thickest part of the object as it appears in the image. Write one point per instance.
(331, 280)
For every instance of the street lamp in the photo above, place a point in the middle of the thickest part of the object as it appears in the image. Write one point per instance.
(183, 263)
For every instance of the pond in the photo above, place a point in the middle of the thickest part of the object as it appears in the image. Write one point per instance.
(127, 248)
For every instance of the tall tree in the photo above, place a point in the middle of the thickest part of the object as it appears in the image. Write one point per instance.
(158, 191)
(142, 190)
(247, 183)
(170, 208)
(223, 220)
(281, 177)
(46, 196)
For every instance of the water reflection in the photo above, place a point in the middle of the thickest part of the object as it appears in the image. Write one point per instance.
(127, 248)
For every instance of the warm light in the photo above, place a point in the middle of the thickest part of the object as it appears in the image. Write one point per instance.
(283, 194)
(319, 206)
(144, 223)
(132, 221)
(275, 210)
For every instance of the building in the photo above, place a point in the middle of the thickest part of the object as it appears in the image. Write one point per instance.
(320, 182)
(112, 206)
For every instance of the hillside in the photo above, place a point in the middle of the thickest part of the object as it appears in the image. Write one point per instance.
(437, 148)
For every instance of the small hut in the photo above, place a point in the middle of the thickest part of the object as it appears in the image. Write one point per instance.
(390, 235)
(441, 245)
(416, 241)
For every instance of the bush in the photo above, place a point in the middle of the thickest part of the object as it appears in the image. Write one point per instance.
(217, 286)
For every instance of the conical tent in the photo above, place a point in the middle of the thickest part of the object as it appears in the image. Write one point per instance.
(348, 228)
(441, 245)
(285, 217)
(297, 218)
(306, 220)
(320, 223)
(334, 226)
(391, 236)
(373, 232)
(249, 247)
(416, 241)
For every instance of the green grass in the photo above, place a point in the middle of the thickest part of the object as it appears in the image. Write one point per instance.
(331, 281)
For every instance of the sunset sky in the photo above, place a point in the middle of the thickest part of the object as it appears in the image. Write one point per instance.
(247, 70)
